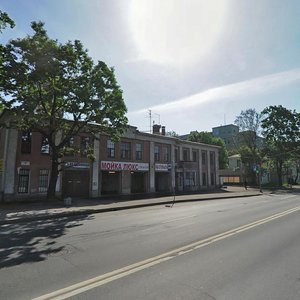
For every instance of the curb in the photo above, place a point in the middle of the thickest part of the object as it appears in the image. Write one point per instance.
(110, 209)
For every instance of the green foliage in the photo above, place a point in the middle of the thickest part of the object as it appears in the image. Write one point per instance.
(208, 138)
(56, 89)
(172, 134)
(5, 20)
(281, 130)
(249, 158)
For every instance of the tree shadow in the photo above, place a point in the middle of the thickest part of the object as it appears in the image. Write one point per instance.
(34, 241)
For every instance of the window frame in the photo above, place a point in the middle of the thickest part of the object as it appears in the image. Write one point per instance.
(125, 150)
(138, 152)
(203, 157)
(185, 154)
(165, 153)
(45, 145)
(23, 181)
(43, 180)
(156, 153)
(85, 144)
(111, 149)
(26, 142)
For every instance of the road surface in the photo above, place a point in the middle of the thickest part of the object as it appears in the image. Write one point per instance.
(242, 248)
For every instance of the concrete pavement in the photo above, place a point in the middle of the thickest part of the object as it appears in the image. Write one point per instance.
(25, 212)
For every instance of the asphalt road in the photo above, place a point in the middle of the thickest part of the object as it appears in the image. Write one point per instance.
(242, 248)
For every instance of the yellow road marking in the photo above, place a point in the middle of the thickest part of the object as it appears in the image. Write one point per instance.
(89, 284)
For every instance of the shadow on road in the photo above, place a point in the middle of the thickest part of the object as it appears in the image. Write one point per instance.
(34, 241)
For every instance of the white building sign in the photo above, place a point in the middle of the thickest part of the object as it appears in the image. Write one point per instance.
(77, 165)
(123, 166)
(163, 167)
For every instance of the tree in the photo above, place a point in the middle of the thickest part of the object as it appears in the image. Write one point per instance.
(208, 138)
(282, 132)
(5, 21)
(172, 134)
(249, 122)
(57, 90)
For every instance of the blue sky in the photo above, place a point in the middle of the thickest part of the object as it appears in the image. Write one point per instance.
(195, 64)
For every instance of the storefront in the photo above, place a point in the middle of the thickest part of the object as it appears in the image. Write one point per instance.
(163, 178)
(124, 177)
(76, 179)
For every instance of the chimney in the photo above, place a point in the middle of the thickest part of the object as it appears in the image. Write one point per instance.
(156, 129)
(163, 130)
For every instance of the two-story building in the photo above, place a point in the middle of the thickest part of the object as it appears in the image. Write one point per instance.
(138, 163)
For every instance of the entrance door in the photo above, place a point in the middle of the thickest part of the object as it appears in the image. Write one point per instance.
(137, 182)
(111, 184)
(76, 183)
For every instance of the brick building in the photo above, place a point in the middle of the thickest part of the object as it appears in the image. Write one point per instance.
(138, 163)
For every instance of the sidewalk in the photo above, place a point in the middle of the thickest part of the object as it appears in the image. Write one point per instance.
(25, 212)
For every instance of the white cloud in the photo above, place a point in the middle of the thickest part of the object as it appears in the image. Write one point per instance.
(240, 89)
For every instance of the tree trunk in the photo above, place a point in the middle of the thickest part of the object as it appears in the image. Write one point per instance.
(279, 173)
(53, 179)
(297, 175)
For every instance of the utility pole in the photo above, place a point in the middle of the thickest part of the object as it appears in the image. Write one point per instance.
(150, 116)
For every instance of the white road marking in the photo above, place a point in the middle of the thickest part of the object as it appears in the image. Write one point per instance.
(89, 284)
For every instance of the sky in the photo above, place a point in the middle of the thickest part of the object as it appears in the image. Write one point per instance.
(195, 64)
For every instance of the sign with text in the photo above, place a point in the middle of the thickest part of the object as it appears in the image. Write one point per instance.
(163, 167)
(123, 166)
(77, 165)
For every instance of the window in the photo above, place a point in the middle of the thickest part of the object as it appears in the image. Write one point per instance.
(194, 155)
(176, 154)
(111, 151)
(85, 144)
(156, 153)
(125, 150)
(203, 178)
(190, 179)
(165, 154)
(45, 148)
(43, 181)
(23, 182)
(138, 151)
(203, 157)
(185, 154)
(26, 142)
(212, 178)
(212, 158)
(69, 149)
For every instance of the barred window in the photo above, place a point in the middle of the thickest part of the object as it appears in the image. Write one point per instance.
(43, 180)
(138, 151)
(26, 142)
(23, 181)
(125, 150)
(111, 149)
